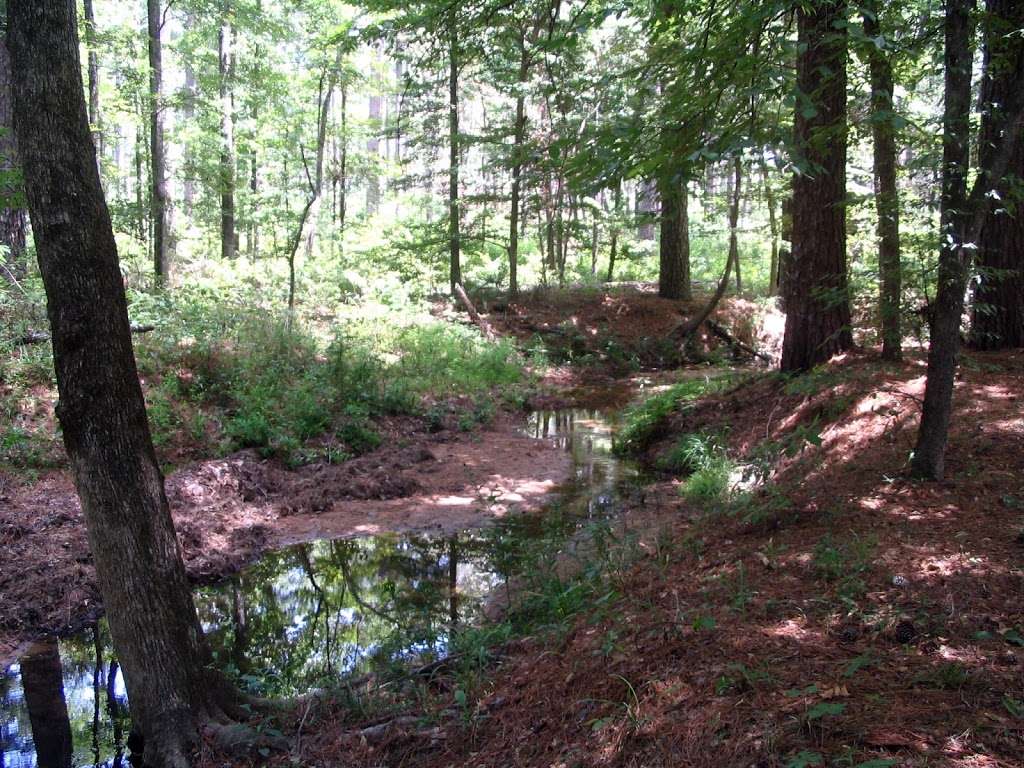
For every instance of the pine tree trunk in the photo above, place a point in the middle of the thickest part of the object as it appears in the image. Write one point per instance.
(139, 568)
(158, 166)
(12, 219)
(614, 237)
(454, 244)
(817, 300)
(887, 203)
(674, 248)
(646, 209)
(997, 318)
(343, 169)
(947, 309)
(226, 66)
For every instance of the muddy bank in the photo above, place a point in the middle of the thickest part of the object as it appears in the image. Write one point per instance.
(228, 511)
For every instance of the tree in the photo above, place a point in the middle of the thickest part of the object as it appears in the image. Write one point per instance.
(962, 218)
(817, 301)
(887, 202)
(997, 318)
(12, 210)
(139, 568)
(157, 160)
(226, 72)
(674, 245)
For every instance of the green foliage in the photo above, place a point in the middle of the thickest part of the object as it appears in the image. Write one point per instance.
(710, 482)
(844, 564)
(689, 453)
(648, 420)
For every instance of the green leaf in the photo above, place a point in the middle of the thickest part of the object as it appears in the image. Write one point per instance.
(805, 759)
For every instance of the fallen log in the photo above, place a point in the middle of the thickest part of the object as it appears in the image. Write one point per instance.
(721, 332)
(40, 337)
(483, 325)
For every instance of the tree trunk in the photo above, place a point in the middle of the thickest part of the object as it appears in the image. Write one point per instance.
(517, 169)
(773, 228)
(188, 108)
(225, 69)
(158, 167)
(817, 300)
(929, 454)
(997, 318)
(95, 118)
(373, 147)
(646, 209)
(454, 244)
(887, 202)
(12, 214)
(343, 170)
(963, 218)
(42, 680)
(691, 326)
(614, 235)
(141, 576)
(306, 232)
(674, 248)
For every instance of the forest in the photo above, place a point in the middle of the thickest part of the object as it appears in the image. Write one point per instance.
(531, 383)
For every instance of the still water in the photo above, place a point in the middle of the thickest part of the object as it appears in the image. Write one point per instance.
(312, 614)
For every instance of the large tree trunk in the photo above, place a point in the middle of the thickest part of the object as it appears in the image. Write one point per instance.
(139, 569)
(674, 248)
(42, 680)
(12, 215)
(454, 212)
(817, 301)
(887, 202)
(158, 165)
(997, 319)
(226, 69)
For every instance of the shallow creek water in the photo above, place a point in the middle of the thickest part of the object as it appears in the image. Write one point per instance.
(303, 616)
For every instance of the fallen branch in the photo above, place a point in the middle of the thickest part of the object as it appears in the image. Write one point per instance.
(721, 332)
(482, 324)
(40, 337)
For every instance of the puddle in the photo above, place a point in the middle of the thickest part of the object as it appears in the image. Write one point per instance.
(316, 612)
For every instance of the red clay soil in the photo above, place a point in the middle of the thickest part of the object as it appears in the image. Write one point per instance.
(228, 511)
(852, 617)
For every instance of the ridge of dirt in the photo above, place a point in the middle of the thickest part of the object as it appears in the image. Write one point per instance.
(853, 617)
(228, 511)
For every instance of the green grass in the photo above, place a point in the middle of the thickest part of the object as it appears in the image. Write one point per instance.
(648, 421)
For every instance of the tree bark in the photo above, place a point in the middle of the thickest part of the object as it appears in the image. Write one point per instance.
(12, 210)
(141, 576)
(613, 245)
(887, 202)
(817, 300)
(454, 213)
(674, 248)
(226, 68)
(158, 167)
(997, 317)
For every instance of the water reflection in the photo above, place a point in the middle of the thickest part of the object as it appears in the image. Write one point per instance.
(306, 616)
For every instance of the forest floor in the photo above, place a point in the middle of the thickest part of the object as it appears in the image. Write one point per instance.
(839, 614)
